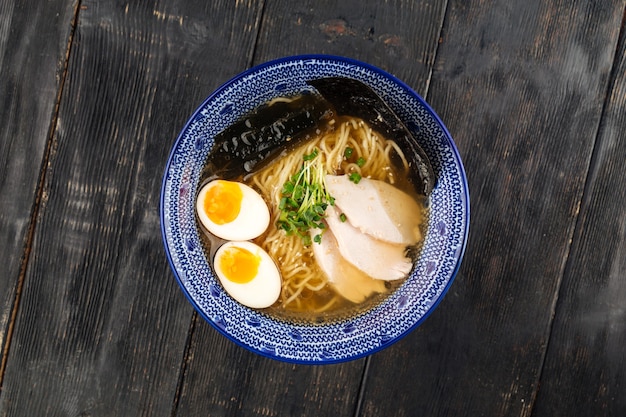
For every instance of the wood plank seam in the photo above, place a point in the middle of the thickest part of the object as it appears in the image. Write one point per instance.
(184, 364)
(436, 51)
(361, 393)
(259, 24)
(38, 198)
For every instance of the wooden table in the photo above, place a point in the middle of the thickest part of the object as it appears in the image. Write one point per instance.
(92, 96)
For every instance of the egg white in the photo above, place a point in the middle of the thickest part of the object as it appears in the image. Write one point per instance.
(263, 290)
(252, 221)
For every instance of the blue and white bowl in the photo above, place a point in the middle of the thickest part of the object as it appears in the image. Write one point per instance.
(342, 340)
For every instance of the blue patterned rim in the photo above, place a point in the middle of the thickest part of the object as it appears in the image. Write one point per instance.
(339, 341)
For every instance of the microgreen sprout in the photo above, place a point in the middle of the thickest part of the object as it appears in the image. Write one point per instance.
(304, 200)
(355, 177)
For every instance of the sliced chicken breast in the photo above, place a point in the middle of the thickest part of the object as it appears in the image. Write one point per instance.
(377, 208)
(377, 258)
(349, 281)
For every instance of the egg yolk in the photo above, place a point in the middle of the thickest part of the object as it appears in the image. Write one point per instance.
(223, 202)
(239, 265)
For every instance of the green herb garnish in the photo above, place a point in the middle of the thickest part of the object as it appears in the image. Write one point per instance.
(355, 177)
(343, 218)
(304, 200)
(360, 162)
(348, 152)
(312, 155)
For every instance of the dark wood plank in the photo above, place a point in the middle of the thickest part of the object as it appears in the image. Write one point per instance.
(585, 369)
(224, 380)
(521, 87)
(103, 325)
(400, 37)
(32, 55)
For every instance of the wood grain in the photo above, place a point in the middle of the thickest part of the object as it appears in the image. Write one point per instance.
(398, 36)
(33, 50)
(102, 326)
(534, 94)
(585, 369)
(521, 87)
(227, 380)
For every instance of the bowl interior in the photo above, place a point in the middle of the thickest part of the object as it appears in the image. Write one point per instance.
(301, 342)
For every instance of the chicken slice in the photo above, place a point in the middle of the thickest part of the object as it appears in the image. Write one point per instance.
(378, 259)
(377, 208)
(349, 281)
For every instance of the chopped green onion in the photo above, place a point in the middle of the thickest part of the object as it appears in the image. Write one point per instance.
(348, 152)
(355, 177)
(311, 156)
(360, 162)
(343, 217)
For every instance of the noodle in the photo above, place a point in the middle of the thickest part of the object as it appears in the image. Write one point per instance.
(302, 278)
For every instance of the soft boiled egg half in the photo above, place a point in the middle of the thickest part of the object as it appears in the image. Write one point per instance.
(232, 210)
(248, 274)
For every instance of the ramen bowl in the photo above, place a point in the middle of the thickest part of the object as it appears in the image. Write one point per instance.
(331, 341)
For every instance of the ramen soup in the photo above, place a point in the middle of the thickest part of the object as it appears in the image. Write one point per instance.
(319, 212)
